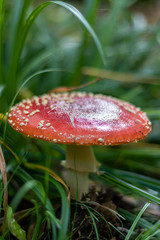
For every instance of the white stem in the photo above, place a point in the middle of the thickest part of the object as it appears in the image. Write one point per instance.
(78, 183)
(80, 160)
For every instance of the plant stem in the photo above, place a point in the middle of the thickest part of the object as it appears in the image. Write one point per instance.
(92, 7)
(80, 160)
(2, 11)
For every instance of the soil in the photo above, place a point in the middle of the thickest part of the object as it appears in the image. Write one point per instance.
(95, 215)
(99, 206)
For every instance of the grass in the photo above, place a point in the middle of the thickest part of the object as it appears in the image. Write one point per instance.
(54, 43)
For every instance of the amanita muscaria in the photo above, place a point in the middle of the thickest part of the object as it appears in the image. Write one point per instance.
(79, 120)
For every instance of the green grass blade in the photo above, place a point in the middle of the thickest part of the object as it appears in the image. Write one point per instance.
(73, 221)
(25, 177)
(93, 217)
(130, 217)
(152, 231)
(62, 224)
(71, 9)
(36, 63)
(2, 13)
(30, 20)
(20, 88)
(136, 220)
(152, 235)
(65, 212)
(79, 16)
(91, 9)
(38, 221)
(17, 21)
(117, 8)
(107, 223)
(138, 191)
(17, 18)
(64, 215)
(142, 180)
(21, 193)
(52, 216)
(153, 113)
(19, 37)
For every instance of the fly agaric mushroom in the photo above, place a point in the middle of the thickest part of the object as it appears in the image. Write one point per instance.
(79, 120)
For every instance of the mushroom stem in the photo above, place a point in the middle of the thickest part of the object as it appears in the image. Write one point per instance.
(80, 160)
(78, 183)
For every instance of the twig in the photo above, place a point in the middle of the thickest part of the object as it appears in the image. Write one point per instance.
(68, 89)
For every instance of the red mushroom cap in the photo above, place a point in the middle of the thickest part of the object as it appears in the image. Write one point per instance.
(81, 118)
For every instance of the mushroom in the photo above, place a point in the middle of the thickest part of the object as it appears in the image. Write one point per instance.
(79, 120)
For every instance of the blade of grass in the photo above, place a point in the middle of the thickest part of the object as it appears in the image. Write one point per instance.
(152, 231)
(63, 227)
(93, 218)
(91, 8)
(21, 214)
(65, 212)
(39, 191)
(2, 117)
(137, 178)
(38, 221)
(37, 62)
(79, 16)
(130, 217)
(112, 22)
(135, 221)
(2, 13)
(20, 88)
(30, 20)
(24, 176)
(73, 222)
(50, 214)
(120, 76)
(152, 235)
(13, 153)
(153, 113)
(124, 184)
(17, 21)
(108, 223)
(22, 192)
(116, 214)
(117, 8)
(51, 173)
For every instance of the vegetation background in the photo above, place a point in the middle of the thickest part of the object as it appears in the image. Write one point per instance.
(44, 45)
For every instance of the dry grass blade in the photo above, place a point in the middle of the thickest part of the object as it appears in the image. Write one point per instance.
(21, 214)
(105, 207)
(4, 177)
(51, 173)
(119, 76)
(14, 154)
(40, 167)
(3, 117)
(68, 89)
